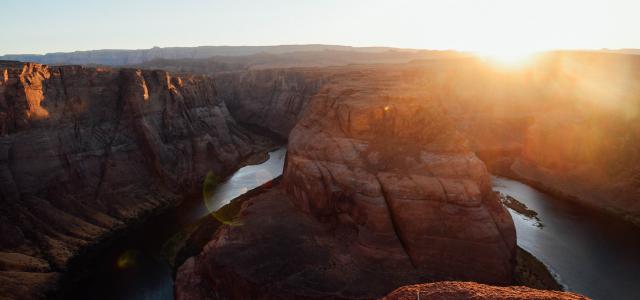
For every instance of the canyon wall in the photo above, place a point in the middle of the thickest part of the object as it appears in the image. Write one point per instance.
(272, 99)
(567, 123)
(594, 162)
(83, 151)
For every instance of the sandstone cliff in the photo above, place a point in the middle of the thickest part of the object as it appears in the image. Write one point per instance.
(376, 154)
(84, 150)
(379, 191)
(272, 99)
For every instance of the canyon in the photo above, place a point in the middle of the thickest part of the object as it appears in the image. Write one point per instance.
(386, 182)
(347, 128)
(566, 122)
(378, 191)
(86, 151)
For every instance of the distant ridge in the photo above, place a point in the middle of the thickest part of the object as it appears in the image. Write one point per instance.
(311, 54)
(622, 51)
(118, 57)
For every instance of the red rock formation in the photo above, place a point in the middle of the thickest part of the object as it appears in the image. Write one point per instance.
(545, 123)
(84, 150)
(381, 158)
(470, 290)
(379, 191)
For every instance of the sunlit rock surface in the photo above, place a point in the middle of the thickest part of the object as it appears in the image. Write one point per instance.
(85, 150)
(567, 123)
(470, 290)
(375, 154)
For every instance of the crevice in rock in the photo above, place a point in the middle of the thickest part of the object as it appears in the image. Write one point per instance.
(394, 224)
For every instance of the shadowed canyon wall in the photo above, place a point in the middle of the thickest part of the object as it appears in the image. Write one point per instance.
(83, 151)
(272, 99)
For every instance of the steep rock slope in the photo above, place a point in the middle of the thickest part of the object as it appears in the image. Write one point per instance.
(379, 191)
(272, 99)
(84, 150)
(375, 154)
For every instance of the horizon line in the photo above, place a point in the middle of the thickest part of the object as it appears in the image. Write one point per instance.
(312, 44)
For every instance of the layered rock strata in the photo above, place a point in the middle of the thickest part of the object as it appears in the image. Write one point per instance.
(379, 191)
(85, 150)
(386, 161)
(271, 99)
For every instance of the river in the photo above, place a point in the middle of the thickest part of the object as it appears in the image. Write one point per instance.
(591, 253)
(133, 267)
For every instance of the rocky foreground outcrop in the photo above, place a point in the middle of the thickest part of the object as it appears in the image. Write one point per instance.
(83, 151)
(379, 191)
(452, 290)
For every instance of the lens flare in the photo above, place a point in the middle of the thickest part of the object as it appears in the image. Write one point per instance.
(126, 260)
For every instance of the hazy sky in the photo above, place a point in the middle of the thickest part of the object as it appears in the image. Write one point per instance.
(39, 26)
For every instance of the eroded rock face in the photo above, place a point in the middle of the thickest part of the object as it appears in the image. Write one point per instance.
(379, 191)
(84, 150)
(271, 99)
(470, 290)
(387, 162)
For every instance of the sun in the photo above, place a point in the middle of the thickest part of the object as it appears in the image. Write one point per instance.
(507, 56)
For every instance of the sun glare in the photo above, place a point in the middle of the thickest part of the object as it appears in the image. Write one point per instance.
(508, 57)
